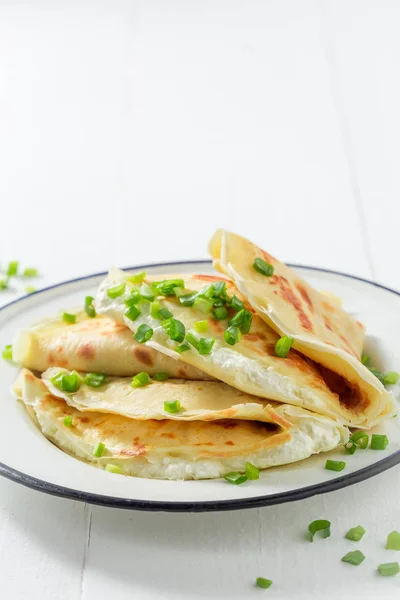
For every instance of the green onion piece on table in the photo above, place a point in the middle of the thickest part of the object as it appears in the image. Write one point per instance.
(378, 374)
(7, 352)
(335, 465)
(68, 421)
(136, 277)
(252, 472)
(390, 378)
(232, 335)
(235, 478)
(140, 380)
(69, 318)
(160, 376)
(393, 541)
(379, 442)
(94, 379)
(263, 583)
(355, 557)
(12, 268)
(361, 439)
(99, 449)
(261, 266)
(89, 307)
(389, 569)
(143, 334)
(283, 346)
(172, 406)
(132, 313)
(350, 447)
(113, 469)
(30, 289)
(4, 284)
(355, 533)
(365, 359)
(201, 326)
(116, 291)
(30, 272)
(322, 526)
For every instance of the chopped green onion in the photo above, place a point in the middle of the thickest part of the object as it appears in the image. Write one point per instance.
(218, 303)
(116, 291)
(235, 478)
(361, 439)
(355, 533)
(89, 308)
(232, 335)
(172, 406)
(136, 277)
(378, 374)
(379, 442)
(236, 304)
(220, 313)
(140, 380)
(7, 352)
(4, 283)
(68, 421)
(263, 583)
(167, 287)
(164, 313)
(322, 526)
(113, 469)
(393, 541)
(178, 292)
(30, 272)
(252, 472)
(350, 447)
(155, 309)
(133, 299)
(354, 558)
(182, 348)
(219, 289)
(67, 382)
(283, 346)
(365, 358)
(390, 378)
(335, 465)
(94, 379)
(261, 266)
(160, 376)
(243, 320)
(132, 313)
(174, 329)
(143, 334)
(389, 569)
(202, 304)
(201, 326)
(193, 340)
(147, 292)
(29, 289)
(99, 449)
(69, 318)
(188, 299)
(12, 268)
(205, 346)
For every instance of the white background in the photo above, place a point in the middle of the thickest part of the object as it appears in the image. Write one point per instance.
(129, 131)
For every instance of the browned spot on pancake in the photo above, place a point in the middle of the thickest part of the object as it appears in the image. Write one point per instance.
(304, 294)
(143, 355)
(270, 259)
(86, 350)
(205, 444)
(328, 306)
(328, 324)
(84, 419)
(228, 424)
(136, 439)
(169, 435)
(229, 443)
(349, 395)
(29, 377)
(199, 389)
(181, 373)
(59, 362)
(210, 278)
(361, 325)
(252, 337)
(60, 349)
(137, 450)
(50, 358)
(288, 294)
(112, 328)
(349, 346)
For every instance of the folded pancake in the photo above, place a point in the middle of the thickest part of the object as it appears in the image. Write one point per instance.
(172, 449)
(97, 345)
(322, 330)
(251, 365)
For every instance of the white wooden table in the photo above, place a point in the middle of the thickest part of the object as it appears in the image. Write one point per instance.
(130, 130)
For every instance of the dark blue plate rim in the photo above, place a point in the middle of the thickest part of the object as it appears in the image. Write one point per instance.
(209, 505)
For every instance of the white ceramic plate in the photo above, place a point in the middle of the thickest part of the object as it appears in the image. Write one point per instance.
(27, 457)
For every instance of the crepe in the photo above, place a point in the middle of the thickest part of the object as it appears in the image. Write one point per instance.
(172, 449)
(321, 329)
(251, 365)
(98, 345)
